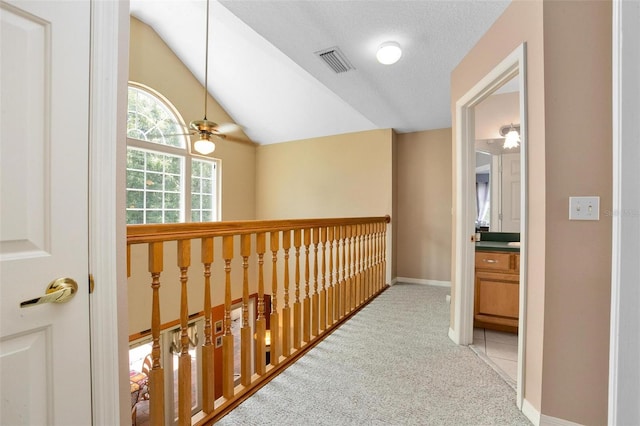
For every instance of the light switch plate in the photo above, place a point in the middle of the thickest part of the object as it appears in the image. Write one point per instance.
(584, 208)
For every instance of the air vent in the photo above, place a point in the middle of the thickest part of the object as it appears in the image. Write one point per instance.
(335, 59)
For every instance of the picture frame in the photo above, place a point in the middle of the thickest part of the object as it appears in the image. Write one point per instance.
(218, 341)
(217, 328)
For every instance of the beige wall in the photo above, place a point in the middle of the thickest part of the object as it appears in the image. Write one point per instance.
(569, 110)
(578, 254)
(494, 112)
(349, 175)
(424, 205)
(336, 176)
(153, 64)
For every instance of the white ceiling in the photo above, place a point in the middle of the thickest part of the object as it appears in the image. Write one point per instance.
(264, 73)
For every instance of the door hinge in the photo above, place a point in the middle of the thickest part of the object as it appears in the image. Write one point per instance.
(92, 283)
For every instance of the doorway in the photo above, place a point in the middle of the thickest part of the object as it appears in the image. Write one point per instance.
(512, 67)
(497, 199)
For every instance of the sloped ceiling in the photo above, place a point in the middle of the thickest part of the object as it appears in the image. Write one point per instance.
(264, 73)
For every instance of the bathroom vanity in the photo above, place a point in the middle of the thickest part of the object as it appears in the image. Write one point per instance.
(497, 279)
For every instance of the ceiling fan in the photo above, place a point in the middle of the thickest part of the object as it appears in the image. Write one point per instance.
(206, 129)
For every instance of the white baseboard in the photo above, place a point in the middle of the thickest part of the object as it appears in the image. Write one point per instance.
(554, 421)
(423, 281)
(530, 411)
(393, 281)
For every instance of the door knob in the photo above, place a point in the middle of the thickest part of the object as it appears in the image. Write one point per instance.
(58, 291)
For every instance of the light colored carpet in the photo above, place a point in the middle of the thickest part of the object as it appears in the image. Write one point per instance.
(391, 364)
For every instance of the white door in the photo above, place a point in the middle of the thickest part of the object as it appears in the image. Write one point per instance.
(510, 193)
(44, 83)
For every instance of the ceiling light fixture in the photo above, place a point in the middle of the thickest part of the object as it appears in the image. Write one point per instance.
(204, 145)
(389, 53)
(511, 135)
(204, 128)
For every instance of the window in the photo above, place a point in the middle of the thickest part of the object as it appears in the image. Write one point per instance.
(165, 182)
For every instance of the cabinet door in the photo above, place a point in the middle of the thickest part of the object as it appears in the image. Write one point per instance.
(497, 298)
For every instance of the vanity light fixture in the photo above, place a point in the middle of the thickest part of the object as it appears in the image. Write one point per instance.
(511, 135)
(389, 53)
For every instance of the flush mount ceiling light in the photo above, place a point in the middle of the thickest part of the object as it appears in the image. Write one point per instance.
(511, 135)
(389, 53)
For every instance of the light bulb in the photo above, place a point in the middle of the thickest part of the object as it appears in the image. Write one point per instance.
(512, 139)
(389, 53)
(204, 146)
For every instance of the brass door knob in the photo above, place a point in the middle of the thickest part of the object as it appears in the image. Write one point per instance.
(58, 291)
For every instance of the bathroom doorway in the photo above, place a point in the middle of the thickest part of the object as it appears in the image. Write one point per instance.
(512, 67)
(497, 225)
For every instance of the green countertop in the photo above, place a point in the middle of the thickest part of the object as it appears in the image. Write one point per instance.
(497, 246)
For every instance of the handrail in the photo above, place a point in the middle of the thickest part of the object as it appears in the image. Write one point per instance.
(321, 271)
(138, 234)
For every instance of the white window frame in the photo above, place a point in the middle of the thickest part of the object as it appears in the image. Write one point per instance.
(186, 153)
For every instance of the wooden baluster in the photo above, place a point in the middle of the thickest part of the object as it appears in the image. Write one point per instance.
(330, 301)
(261, 323)
(184, 360)
(156, 375)
(384, 254)
(361, 258)
(354, 259)
(208, 375)
(323, 291)
(245, 333)
(376, 257)
(355, 300)
(355, 279)
(286, 310)
(306, 323)
(275, 319)
(349, 271)
(372, 268)
(314, 300)
(297, 308)
(227, 338)
(380, 257)
(368, 261)
(343, 246)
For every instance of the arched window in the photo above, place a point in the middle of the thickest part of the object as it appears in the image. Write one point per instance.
(165, 182)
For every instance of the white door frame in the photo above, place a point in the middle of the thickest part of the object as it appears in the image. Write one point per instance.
(107, 229)
(624, 354)
(462, 331)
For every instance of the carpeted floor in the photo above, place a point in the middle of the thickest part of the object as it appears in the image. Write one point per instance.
(391, 364)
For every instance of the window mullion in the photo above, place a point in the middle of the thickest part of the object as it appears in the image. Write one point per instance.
(187, 189)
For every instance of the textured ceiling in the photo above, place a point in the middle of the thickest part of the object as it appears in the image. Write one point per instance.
(265, 74)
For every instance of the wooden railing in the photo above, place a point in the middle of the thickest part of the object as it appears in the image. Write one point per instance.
(339, 265)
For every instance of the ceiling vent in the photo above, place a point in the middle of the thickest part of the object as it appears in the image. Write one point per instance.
(335, 59)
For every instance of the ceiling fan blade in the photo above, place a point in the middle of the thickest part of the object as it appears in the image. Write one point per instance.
(181, 134)
(228, 128)
(238, 140)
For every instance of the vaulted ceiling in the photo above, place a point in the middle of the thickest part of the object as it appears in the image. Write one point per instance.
(264, 70)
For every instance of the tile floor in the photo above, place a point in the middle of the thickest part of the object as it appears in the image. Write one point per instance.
(499, 350)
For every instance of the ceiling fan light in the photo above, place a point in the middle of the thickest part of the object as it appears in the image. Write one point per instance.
(389, 53)
(204, 145)
(512, 139)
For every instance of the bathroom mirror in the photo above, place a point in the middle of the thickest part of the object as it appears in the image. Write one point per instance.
(498, 167)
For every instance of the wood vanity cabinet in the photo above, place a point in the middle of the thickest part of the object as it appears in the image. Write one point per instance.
(497, 293)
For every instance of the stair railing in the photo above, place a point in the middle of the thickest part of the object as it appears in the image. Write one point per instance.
(343, 262)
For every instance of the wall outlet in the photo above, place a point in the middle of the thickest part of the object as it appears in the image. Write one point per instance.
(584, 208)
